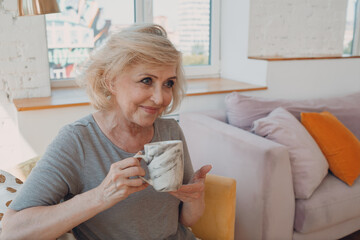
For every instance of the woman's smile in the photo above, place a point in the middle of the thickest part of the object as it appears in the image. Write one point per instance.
(150, 110)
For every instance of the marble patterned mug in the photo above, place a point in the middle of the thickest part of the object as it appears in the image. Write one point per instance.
(165, 161)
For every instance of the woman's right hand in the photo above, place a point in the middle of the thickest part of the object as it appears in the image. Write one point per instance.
(119, 184)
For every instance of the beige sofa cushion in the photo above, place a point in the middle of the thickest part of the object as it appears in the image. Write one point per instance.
(22, 170)
(332, 203)
(308, 164)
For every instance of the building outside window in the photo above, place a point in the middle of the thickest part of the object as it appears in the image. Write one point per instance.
(83, 25)
(78, 29)
(188, 25)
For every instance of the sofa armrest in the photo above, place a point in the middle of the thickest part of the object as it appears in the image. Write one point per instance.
(265, 198)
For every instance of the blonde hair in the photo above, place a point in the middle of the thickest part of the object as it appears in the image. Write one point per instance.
(138, 44)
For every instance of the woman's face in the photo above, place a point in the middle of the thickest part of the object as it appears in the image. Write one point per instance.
(143, 92)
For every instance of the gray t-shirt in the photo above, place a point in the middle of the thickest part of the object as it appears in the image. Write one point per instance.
(78, 160)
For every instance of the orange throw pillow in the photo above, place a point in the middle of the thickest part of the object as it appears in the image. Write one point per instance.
(340, 146)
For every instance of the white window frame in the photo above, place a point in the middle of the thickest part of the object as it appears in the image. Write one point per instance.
(213, 69)
(356, 40)
(144, 13)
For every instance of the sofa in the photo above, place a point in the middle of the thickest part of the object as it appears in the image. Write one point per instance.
(220, 195)
(288, 186)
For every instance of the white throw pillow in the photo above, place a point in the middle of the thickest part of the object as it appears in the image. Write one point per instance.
(308, 164)
(9, 185)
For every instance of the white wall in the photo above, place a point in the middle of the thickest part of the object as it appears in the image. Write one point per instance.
(285, 79)
(297, 28)
(24, 73)
(38, 128)
(24, 69)
(311, 78)
(9, 137)
(234, 44)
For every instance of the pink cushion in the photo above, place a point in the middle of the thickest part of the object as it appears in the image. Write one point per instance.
(242, 110)
(308, 164)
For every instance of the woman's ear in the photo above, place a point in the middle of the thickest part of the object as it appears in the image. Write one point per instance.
(110, 85)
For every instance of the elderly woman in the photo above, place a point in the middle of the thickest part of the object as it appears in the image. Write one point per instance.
(87, 180)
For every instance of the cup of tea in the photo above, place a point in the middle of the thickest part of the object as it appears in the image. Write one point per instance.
(165, 161)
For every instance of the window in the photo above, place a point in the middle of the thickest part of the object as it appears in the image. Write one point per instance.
(79, 28)
(352, 29)
(82, 25)
(190, 24)
(356, 45)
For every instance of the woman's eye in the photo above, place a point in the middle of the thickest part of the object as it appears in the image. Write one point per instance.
(146, 81)
(169, 83)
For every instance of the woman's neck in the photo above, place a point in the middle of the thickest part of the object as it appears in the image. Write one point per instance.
(125, 134)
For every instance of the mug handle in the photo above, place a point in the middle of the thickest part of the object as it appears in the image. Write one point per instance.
(142, 157)
(149, 181)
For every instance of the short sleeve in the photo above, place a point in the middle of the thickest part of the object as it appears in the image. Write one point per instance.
(56, 175)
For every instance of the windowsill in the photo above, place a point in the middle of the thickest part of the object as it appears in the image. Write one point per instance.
(74, 96)
(272, 58)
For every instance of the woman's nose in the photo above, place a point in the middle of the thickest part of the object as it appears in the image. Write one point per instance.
(157, 96)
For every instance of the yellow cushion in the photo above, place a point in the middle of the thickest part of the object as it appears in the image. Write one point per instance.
(218, 220)
(340, 146)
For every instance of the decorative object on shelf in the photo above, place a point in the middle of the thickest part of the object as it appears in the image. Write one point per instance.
(37, 7)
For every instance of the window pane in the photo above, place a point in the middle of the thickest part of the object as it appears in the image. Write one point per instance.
(79, 28)
(349, 27)
(188, 25)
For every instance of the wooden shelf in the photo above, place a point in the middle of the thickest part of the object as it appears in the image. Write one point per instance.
(60, 97)
(207, 86)
(279, 58)
(74, 96)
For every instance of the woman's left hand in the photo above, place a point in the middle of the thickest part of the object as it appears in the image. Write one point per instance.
(196, 187)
